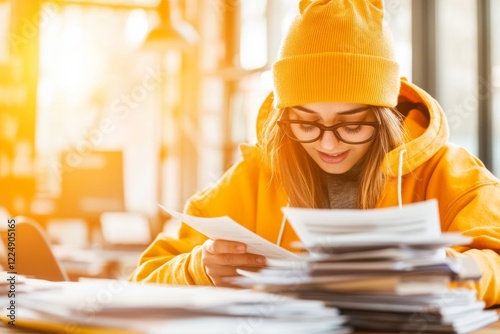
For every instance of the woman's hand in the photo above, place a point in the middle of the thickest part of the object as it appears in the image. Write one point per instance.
(221, 258)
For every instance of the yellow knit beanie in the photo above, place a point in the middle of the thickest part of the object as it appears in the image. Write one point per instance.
(337, 51)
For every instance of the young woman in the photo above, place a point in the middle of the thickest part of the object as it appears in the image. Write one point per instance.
(340, 130)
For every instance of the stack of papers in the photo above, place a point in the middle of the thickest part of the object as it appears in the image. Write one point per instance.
(123, 307)
(380, 267)
(453, 311)
(402, 269)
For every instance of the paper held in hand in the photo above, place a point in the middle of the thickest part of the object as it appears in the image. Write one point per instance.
(225, 228)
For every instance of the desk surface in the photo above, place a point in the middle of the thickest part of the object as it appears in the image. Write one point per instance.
(491, 329)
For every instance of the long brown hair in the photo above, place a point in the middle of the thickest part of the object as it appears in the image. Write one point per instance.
(303, 179)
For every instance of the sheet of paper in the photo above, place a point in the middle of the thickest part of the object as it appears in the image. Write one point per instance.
(346, 225)
(227, 229)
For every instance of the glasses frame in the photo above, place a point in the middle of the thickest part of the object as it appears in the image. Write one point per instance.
(333, 128)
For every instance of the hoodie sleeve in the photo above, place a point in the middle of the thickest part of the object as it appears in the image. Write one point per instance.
(469, 197)
(178, 260)
(477, 214)
(172, 261)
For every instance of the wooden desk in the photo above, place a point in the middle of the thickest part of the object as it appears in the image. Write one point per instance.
(491, 329)
(6, 329)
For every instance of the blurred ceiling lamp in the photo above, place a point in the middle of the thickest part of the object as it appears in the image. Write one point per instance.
(172, 32)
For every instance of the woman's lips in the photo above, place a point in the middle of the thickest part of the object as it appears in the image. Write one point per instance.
(335, 158)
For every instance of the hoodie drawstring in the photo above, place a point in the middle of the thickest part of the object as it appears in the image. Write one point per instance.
(400, 177)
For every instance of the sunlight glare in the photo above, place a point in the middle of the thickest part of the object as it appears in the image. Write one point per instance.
(137, 27)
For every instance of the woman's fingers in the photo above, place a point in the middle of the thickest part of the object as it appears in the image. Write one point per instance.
(237, 260)
(221, 258)
(225, 246)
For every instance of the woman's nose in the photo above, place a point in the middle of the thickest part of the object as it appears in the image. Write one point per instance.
(328, 141)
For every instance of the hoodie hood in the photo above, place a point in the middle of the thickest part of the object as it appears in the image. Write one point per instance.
(425, 124)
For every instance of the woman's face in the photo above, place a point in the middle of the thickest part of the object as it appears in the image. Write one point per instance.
(332, 155)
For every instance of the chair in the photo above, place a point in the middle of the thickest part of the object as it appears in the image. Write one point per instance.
(34, 257)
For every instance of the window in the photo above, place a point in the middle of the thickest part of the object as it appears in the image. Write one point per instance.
(4, 30)
(457, 69)
(97, 91)
(495, 60)
(398, 17)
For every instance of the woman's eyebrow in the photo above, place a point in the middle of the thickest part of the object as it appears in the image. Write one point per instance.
(347, 112)
(304, 109)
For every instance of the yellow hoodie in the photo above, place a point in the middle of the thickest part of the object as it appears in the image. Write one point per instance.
(467, 193)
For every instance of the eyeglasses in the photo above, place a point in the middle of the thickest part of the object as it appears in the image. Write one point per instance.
(348, 132)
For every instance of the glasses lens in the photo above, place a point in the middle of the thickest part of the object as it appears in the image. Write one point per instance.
(303, 132)
(356, 133)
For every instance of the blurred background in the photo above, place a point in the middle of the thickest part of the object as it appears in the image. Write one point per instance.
(109, 107)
